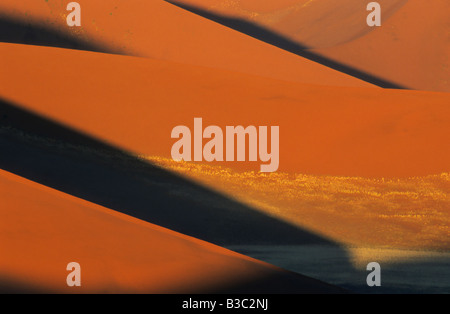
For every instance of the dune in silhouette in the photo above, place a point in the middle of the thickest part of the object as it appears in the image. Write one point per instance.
(158, 29)
(410, 49)
(42, 230)
(134, 103)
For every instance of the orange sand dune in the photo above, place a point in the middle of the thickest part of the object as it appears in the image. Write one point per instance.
(315, 24)
(42, 230)
(411, 48)
(134, 103)
(161, 30)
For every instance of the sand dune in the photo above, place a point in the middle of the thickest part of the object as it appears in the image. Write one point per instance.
(42, 230)
(53, 155)
(359, 166)
(161, 30)
(411, 49)
(315, 24)
(324, 130)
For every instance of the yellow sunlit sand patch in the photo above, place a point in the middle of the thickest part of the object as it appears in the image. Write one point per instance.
(403, 213)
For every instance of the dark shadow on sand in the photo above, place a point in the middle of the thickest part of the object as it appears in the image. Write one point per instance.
(49, 153)
(277, 282)
(34, 33)
(263, 34)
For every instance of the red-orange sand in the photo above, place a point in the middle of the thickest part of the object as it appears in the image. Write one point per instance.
(411, 48)
(42, 230)
(161, 30)
(313, 23)
(134, 103)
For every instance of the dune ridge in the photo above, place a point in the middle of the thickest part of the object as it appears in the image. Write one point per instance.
(160, 30)
(47, 229)
(315, 24)
(411, 48)
(361, 168)
(324, 130)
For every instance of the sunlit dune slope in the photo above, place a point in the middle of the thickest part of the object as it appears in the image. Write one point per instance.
(161, 30)
(409, 213)
(312, 23)
(134, 103)
(42, 230)
(411, 48)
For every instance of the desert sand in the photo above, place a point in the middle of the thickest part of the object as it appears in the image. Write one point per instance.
(303, 20)
(42, 230)
(411, 49)
(323, 130)
(158, 29)
(403, 213)
(342, 151)
(363, 170)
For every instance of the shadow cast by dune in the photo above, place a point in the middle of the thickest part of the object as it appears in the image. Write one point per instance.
(57, 156)
(54, 155)
(10, 285)
(430, 275)
(284, 283)
(272, 38)
(35, 33)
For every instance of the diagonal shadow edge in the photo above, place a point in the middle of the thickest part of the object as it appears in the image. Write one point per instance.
(265, 35)
(56, 156)
(33, 33)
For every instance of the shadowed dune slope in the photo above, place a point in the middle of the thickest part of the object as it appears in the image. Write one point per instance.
(323, 130)
(56, 156)
(42, 230)
(161, 30)
(411, 49)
